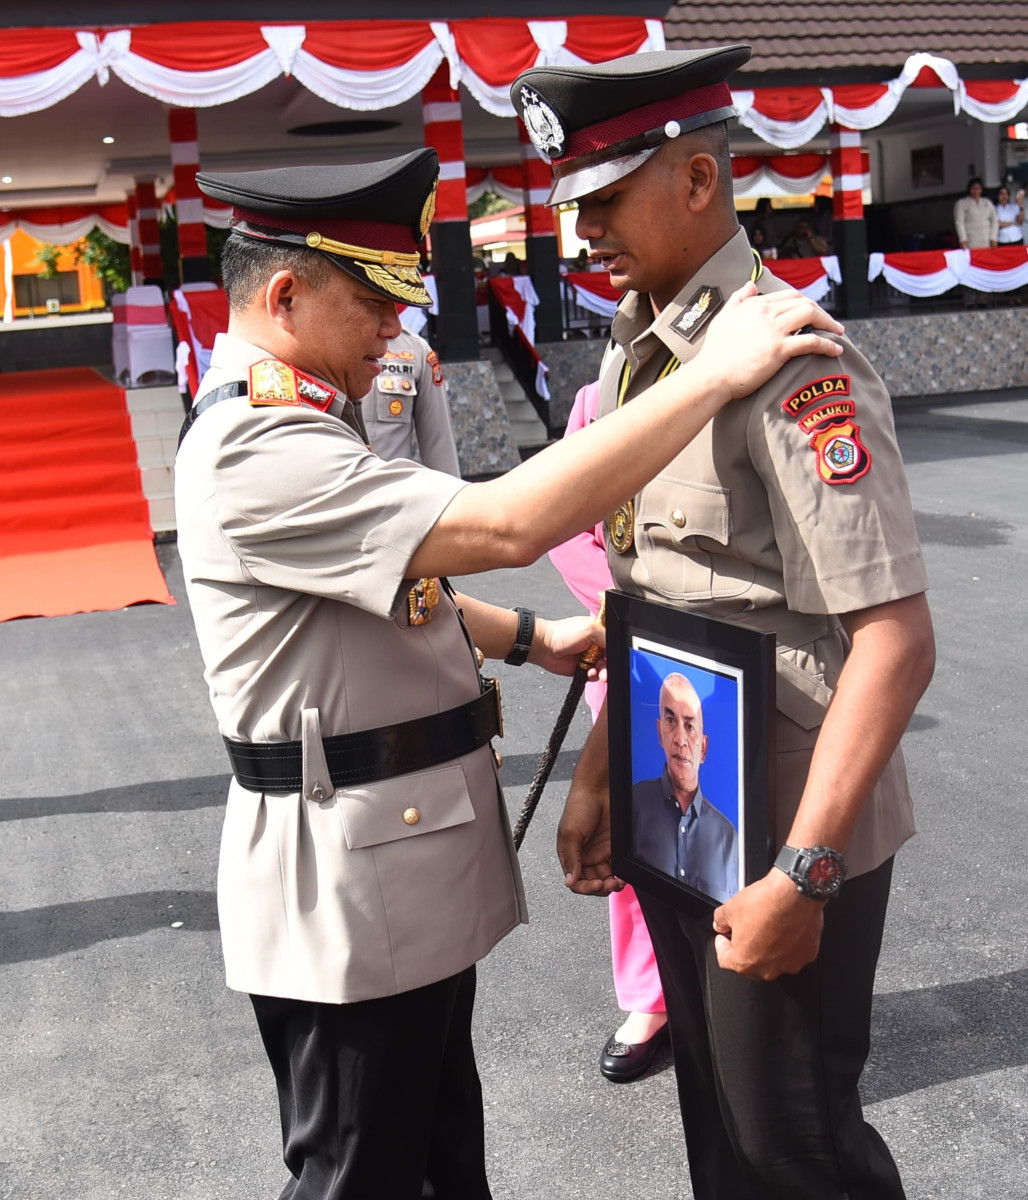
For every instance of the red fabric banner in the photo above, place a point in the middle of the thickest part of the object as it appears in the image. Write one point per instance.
(597, 282)
(918, 262)
(27, 51)
(366, 45)
(796, 272)
(497, 49)
(198, 45)
(787, 104)
(994, 258)
(991, 91)
(858, 95)
(599, 40)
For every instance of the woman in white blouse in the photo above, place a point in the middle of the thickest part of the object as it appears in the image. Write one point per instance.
(1010, 216)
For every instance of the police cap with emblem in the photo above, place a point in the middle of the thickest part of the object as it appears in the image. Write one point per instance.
(598, 123)
(367, 218)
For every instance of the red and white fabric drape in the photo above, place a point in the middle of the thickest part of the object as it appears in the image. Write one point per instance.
(794, 174)
(593, 291)
(517, 295)
(811, 276)
(504, 181)
(933, 272)
(354, 64)
(66, 224)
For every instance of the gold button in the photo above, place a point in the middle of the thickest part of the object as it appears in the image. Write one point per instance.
(411, 816)
(678, 518)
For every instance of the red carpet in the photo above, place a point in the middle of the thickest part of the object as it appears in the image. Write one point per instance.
(75, 531)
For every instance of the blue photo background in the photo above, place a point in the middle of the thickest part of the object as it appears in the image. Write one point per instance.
(719, 696)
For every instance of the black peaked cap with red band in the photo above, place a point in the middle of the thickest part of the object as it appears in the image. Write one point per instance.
(598, 123)
(369, 219)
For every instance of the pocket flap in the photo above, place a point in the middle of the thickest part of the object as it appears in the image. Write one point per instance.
(404, 807)
(686, 510)
(802, 697)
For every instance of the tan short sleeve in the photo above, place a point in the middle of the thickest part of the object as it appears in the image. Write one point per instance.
(307, 507)
(822, 438)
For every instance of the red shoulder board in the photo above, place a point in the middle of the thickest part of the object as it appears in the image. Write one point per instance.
(841, 456)
(437, 371)
(274, 382)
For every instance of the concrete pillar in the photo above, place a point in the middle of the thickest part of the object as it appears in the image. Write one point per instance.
(192, 233)
(457, 323)
(149, 232)
(541, 240)
(849, 229)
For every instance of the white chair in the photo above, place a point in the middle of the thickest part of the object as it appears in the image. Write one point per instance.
(150, 347)
(119, 336)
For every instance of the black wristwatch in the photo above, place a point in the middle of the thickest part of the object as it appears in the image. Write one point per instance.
(817, 872)
(523, 641)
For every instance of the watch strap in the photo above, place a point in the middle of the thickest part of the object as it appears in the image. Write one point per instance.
(518, 655)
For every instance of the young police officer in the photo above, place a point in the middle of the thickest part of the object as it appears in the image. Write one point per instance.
(788, 512)
(366, 860)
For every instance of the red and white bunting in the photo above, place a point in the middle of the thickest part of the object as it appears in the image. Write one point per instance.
(811, 276)
(932, 272)
(363, 65)
(593, 291)
(504, 181)
(444, 130)
(517, 295)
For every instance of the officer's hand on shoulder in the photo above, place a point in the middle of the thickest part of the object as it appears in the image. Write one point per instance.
(768, 929)
(754, 336)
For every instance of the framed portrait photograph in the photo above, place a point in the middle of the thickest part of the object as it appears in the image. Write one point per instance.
(691, 719)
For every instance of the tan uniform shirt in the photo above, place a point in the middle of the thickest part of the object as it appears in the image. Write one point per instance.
(295, 541)
(776, 520)
(410, 397)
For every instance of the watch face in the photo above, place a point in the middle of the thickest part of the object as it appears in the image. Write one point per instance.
(825, 874)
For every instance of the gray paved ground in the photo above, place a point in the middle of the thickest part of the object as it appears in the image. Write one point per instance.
(129, 1070)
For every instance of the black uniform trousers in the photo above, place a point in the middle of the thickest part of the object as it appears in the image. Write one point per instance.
(767, 1072)
(380, 1099)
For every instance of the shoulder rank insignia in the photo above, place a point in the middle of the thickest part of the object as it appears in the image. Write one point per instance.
(422, 600)
(437, 372)
(274, 382)
(841, 456)
(826, 388)
(703, 305)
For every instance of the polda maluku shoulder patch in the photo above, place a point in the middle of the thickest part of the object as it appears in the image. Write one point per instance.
(825, 388)
(841, 456)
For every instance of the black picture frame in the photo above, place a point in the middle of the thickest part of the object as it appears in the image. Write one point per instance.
(730, 672)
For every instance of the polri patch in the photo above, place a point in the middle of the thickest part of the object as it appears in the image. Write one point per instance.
(437, 371)
(703, 305)
(275, 382)
(820, 389)
(841, 456)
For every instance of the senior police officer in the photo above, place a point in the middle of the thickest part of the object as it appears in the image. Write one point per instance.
(366, 861)
(789, 512)
(408, 400)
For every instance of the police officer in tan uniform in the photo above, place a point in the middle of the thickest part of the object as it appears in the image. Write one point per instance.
(789, 512)
(408, 398)
(366, 861)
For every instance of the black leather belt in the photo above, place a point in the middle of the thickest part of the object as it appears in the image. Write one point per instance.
(373, 754)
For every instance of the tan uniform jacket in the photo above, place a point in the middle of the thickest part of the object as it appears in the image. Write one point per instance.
(409, 398)
(295, 541)
(754, 522)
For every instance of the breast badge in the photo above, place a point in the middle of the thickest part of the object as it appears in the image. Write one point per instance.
(621, 527)
(703, 305)
(395, 408)
(841, 456)
(422, 600)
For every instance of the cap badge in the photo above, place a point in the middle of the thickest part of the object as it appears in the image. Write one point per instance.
(703, 305)
(542, 123)
(428, 212)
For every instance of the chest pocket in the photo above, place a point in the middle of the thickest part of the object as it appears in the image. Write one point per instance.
(676, 522)
(394, 397)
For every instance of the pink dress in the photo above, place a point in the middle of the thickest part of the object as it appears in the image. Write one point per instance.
(582, 560)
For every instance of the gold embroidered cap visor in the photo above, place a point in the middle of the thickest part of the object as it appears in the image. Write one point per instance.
(368, 219)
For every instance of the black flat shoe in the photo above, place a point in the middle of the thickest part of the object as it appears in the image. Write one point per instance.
(621, 1062)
